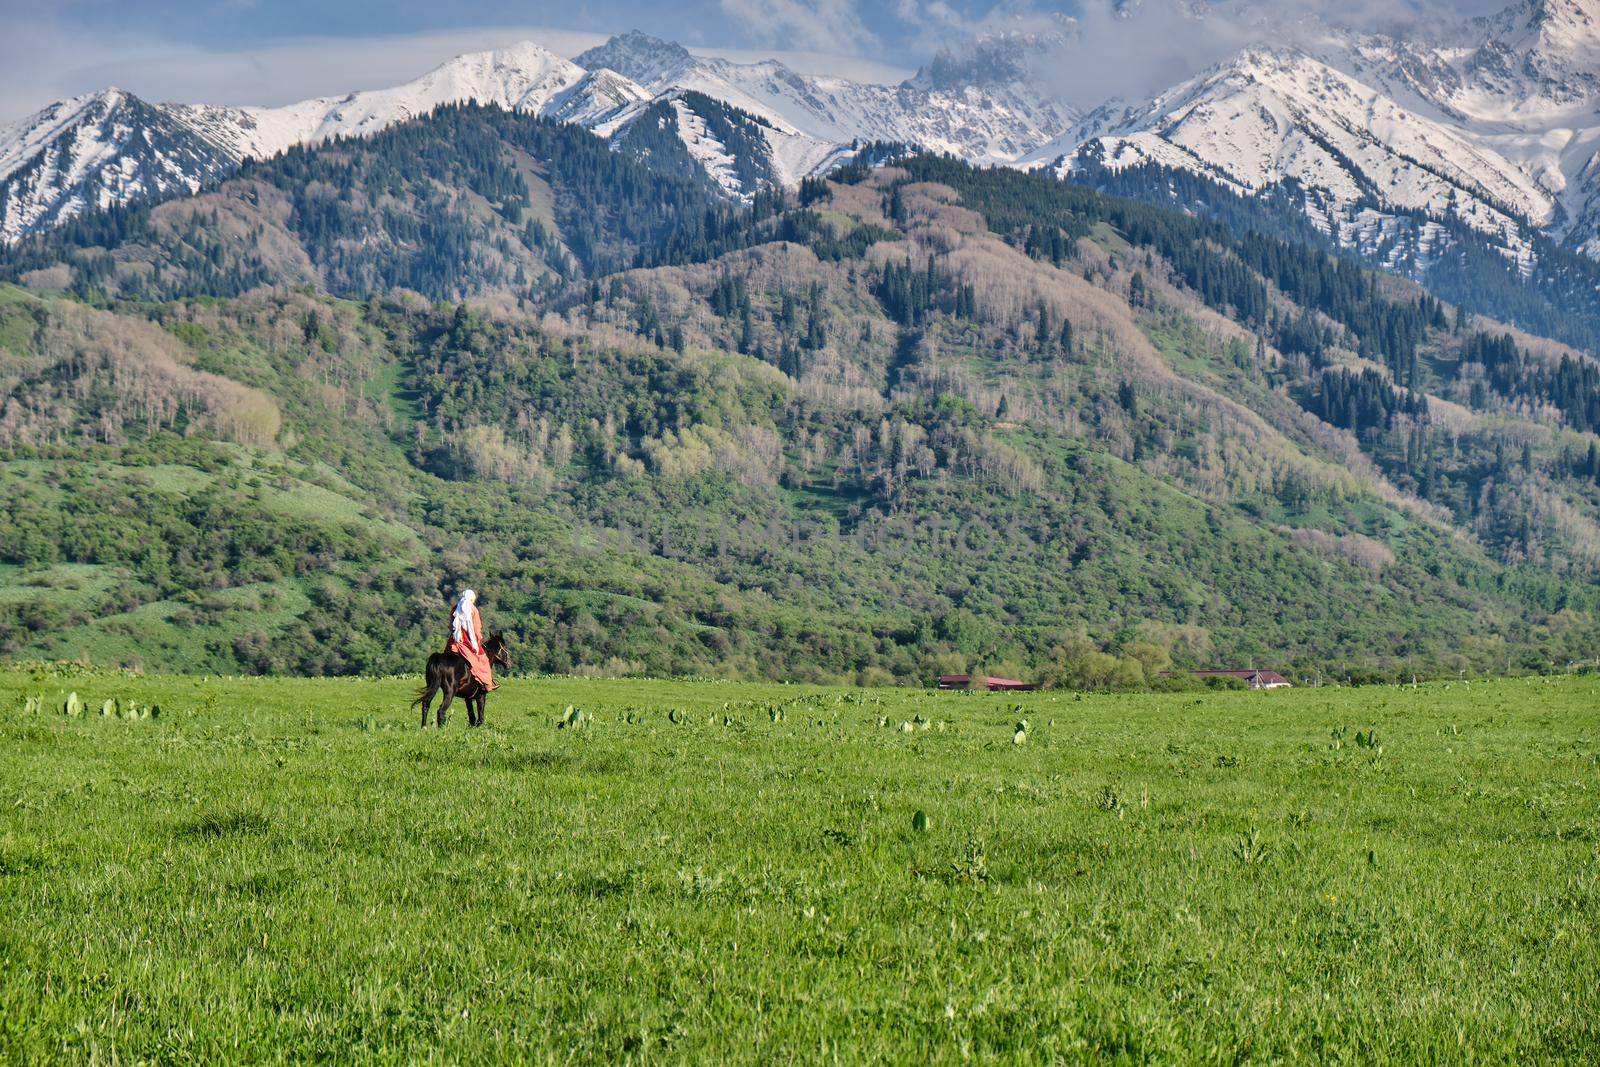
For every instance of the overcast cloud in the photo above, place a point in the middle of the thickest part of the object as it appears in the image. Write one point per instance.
(277, 51)
(1163, 43)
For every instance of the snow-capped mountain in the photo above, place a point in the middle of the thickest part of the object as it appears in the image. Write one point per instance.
(1494, 122)
(525, 76)
(111, 147)
(948, 107)
(97, 150)
(1270, 116)
(1497, 125)
(1545, 51)
(596, 99)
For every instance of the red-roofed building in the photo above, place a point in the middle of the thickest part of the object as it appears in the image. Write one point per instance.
(994, 685)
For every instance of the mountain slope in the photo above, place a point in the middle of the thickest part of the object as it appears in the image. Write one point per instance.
(935, 417)
(471, 200)
(968, 111)
(695, 136)
(1455, 262)
(525, 77)
(98, 151)
(1266, 117)
(1495, 124)
(519, 229)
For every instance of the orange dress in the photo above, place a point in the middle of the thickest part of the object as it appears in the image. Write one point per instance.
(474, 654)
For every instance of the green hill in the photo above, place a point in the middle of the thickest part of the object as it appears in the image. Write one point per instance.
(923, 418)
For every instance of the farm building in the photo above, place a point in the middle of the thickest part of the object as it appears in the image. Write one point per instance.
(1252, 678)
(994, 685)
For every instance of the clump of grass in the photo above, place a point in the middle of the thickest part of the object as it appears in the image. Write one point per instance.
(1251, 850)
(227, 824)
(971, 866)
(1109, 799)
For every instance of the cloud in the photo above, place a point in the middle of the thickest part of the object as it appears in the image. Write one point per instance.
(1129, 55)
(937, 23)
(46, 56)
(46, 59)
(39, 59)
(821, 64)
(814, 25)
(1131, 49)
(49, 66)
(45, 64)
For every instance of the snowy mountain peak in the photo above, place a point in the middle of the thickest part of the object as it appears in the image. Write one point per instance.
(522, 64)
(514, 76)
(21, 139)
(525, 75)
(1547, 34)
(75, 155)
(1564, 27)
(96, 150)
(648, 61)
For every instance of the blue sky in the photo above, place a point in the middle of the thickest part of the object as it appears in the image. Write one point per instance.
(235, 23)
(275, 51)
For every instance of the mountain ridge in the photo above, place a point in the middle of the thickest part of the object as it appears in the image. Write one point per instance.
(811, 121)
(1493, 123)
(1496, 122)
(922, 417)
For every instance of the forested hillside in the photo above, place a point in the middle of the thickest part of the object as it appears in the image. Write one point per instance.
(470, 201)
(921, 418)
(1552, 292)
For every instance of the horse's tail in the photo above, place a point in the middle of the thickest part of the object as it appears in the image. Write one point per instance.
(430, 675)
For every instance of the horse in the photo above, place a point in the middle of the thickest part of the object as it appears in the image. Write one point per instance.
(451, 674)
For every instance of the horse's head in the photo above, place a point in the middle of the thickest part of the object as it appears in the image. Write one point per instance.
(499, 650)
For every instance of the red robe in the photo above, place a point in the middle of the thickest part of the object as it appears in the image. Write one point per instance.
(473, 653)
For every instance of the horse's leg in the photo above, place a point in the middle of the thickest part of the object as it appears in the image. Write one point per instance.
(430, 679)
(449, 695)
(483, 698)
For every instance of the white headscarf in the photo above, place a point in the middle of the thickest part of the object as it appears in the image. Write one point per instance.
(461, 629)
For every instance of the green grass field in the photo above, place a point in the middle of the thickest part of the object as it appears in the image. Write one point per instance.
(276, 870)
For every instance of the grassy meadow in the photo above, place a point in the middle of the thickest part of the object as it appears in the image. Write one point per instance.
(286, 871)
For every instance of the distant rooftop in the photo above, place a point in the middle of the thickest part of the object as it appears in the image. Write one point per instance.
(964, 681)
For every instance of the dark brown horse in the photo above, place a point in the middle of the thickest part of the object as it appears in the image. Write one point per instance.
(450, 673)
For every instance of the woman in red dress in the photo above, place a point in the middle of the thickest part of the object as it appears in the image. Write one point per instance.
(466, 638)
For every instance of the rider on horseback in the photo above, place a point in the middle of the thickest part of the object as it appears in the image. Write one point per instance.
(465, 668)
(466, 639)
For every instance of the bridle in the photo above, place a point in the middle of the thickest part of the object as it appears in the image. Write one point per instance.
(500, 656)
